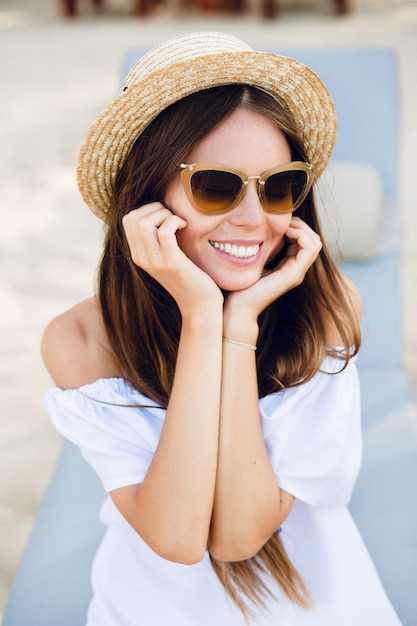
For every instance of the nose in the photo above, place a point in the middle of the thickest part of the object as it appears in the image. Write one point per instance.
(248, 211)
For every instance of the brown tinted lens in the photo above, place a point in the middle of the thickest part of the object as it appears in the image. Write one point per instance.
(284, 190)
(215, 190)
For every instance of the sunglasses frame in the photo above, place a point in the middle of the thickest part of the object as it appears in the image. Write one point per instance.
(188, 169)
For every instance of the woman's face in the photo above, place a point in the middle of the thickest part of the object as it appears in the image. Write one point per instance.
(252, 144)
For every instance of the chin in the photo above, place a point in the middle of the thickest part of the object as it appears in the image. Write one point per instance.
(238, 283)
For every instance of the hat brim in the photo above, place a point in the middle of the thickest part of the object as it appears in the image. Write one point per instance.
(114, 132)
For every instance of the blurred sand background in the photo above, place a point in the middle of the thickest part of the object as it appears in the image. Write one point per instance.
(56, 75)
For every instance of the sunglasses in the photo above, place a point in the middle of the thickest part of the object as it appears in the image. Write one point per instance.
(213, 188)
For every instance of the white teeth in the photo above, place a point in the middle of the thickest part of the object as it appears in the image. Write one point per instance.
(241, 252)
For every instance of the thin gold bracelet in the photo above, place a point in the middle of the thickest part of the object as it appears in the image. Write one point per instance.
(240, 343)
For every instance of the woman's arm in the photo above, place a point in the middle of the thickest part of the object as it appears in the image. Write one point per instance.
(172, 508)
(249, 505)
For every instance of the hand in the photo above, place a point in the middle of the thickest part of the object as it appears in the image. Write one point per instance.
(303, 247)
(151, 234)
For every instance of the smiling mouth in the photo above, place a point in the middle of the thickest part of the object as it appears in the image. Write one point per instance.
(240, 252)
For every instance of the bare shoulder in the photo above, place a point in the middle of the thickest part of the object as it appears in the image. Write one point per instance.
(75, 348)
(354, 296)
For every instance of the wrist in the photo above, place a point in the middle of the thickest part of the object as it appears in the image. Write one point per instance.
(207, 320)
(239, 321)
(241, 330)
(240, 344)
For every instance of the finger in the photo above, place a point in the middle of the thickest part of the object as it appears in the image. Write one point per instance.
(170, 225)
(300, 234)
(297, 225)
(141, 230)
(166, 234)
(141, 224)
(153, 214)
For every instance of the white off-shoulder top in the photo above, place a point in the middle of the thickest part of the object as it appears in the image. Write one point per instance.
(313, 437)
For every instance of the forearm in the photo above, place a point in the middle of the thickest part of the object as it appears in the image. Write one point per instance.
(247, 505)
(173, 506)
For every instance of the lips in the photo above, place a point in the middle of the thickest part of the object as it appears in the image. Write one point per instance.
(237, 251)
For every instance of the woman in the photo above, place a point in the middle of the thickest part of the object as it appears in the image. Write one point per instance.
(211, 382)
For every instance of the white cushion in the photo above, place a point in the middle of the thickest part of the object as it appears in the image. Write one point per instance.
(350, 202)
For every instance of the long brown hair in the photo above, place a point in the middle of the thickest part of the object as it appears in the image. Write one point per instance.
(143, 321)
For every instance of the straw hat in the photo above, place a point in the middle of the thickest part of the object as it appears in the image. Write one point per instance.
(183, 66)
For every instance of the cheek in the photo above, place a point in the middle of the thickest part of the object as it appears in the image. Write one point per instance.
(278, 227)
(175, 197)
(191, 237)
(198, 225)
(176, 201)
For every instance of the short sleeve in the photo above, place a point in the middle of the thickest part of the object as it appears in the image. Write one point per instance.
(116, 428)
(313, 435)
